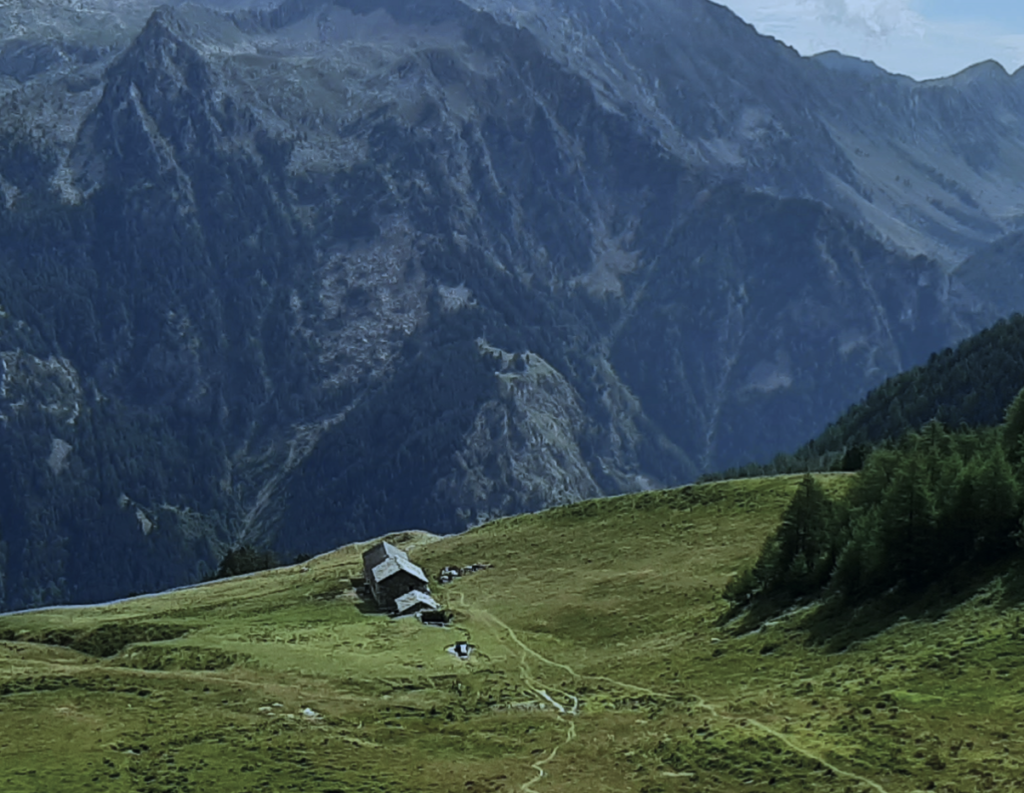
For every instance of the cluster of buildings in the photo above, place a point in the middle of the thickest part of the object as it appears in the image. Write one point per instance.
(449, 574)
(400, 587)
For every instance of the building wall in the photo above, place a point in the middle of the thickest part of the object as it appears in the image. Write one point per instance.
(394, 587)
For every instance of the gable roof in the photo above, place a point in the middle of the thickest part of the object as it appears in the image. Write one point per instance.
(381, 551)
(415, 598)
(394, 564)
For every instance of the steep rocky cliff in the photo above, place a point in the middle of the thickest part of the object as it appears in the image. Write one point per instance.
(308, 273)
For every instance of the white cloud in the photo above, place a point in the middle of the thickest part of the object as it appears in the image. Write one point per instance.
(889, 32)
(867, 17)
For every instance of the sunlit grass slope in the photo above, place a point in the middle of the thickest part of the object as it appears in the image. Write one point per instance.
(602, 664)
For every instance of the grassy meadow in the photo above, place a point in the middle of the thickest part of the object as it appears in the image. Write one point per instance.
(605, 660)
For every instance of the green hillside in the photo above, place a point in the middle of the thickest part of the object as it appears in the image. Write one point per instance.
(604, 662)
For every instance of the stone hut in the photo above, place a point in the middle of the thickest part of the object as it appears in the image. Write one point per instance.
(390, 575)
(415, 602)
(377, 554)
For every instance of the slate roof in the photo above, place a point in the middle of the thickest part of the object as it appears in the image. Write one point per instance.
(381, 551)
(393, 564)
(415, 598)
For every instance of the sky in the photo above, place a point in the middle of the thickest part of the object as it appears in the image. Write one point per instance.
(920, 38)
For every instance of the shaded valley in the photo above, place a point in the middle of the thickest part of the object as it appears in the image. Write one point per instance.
(296, 276)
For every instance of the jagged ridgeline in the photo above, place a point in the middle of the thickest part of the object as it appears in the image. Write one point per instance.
(294, 277)
(969, 385)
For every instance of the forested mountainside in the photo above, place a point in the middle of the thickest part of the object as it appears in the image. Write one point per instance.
(969, 386)
(995, 274)
(302, 275)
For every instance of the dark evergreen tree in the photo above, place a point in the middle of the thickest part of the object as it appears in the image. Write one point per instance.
(798, 558)
(1013, 428)
(871, 483)
(858, 564)
(933, 502)
(997, 509)
(853, 458)
(907, 513)
(245, 559)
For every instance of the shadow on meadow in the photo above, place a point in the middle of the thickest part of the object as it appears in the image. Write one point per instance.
(833, 624)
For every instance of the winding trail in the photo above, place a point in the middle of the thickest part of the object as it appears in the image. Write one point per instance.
(563, 714)
(800, 750)
(539, 765)
(699, 702)
(526, 648)
(743, 721)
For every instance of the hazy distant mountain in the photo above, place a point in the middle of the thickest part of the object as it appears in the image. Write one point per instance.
(315, 271)
(968, 386)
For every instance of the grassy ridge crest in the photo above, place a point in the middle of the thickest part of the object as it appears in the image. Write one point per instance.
(602, 661)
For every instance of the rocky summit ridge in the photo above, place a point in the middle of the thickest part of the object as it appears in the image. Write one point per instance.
(303, 273)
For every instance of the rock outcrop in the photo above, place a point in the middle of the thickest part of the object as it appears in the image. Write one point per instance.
(301, 275)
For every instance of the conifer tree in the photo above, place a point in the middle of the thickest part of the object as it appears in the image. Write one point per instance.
(876, 475)
(245, 559)
(1013, 429)
(858, 561)
(918, 509)
(798, 558)
(908, 517)
(958, 519)
(998, 498)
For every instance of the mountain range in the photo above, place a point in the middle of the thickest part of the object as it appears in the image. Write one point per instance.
(305, 273)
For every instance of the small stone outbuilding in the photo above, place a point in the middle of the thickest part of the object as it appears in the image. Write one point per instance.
(415, 602)
(389, 575)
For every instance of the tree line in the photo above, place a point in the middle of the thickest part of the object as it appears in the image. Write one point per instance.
(935, 501)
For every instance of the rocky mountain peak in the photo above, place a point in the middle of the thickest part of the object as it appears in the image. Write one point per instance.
(839, 62)
(986, 71)
(157, 108)
(319, 270)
